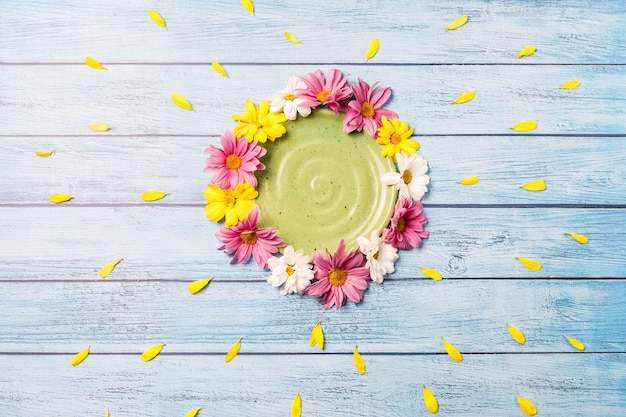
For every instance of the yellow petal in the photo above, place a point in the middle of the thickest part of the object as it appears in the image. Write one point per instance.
(181, 102)
(151, 352)
(108, 268)
(217, 67)
(569, 85)
(373, 49)
(99, 127)
(108, 413)
(516, 334)
(45, 153)
(358, 361)
(578, 238)
(91, 62)
(538, 185)
(158, 19)
(469, 180)
(429, 400)
(193, 412)
(153, 195)
(233, 351)
(291, 38)
(432, 274)
(458, 22)
(577, 344)
(528, 51)
(465, 97)
(530, 263)
(525, 126)
(198, 285)
(60, 198)
(317, 336)
(296, 406)
(80, 356)
(527, 406)
(249, 6)
(452, 351)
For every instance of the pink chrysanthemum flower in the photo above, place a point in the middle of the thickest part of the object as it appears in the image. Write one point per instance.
(407, 225)
(235, 163)
(339, 276)
(330, 91)
(366, 108)
(244, 240)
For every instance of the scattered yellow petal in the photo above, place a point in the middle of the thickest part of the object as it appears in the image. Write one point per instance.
(108, 413)
(451, 350)
(296, 406)
(99, 127)
(528, 51)
(465, 97)
(358, 361)
(516, 334)
(233, 351)
(158, 19)
(108, 268)
(432, 274)
(193, 412)
(198, 285)
(217, 67)
(80, 356)
(181, 102)
(93, 63)
(429, 400)
(530, 263)
(249, 6)
(527, 406)
(537, 185)
(60, 198)
(458, 22)
(469, 180)
(45, 153)
(569, 85)
(153, 195)
(578, 238)
(291, 38)
(151, 352)
(525, 126)
(577, 344)
(317, 336)
(373, 49)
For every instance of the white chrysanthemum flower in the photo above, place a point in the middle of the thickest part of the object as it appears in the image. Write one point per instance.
(292, 271)
(411, 178)
(380, 256)
(287, 101)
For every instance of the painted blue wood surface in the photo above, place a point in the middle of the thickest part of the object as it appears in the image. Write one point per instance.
(53, 304)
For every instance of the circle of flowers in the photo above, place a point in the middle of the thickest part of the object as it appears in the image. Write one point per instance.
(336, 276)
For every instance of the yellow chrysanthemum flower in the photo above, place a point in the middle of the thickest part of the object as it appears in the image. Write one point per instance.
(258, 124)
(395, 136)
(232, 204)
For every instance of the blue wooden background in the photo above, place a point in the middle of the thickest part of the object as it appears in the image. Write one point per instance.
(53, 304)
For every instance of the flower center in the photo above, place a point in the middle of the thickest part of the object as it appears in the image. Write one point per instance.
(290, 97)
(233, 162)
(375, 256)
(249, 237)
(407, 176)
(395, 138)
(229, 198)
(337, 277)
(290, 270)
(367, 110)
(401, 225)
(321, 96)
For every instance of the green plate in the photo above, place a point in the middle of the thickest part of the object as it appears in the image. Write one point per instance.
(321, 185)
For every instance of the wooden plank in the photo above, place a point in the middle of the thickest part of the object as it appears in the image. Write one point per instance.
(408, 316)
(73, 242)
(135, 99)
(574, 169)
(410, 31)
(484, 385)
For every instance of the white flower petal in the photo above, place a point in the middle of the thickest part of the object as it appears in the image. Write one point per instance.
(391, 178)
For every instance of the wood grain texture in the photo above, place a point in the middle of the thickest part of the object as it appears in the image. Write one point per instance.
(136, 99)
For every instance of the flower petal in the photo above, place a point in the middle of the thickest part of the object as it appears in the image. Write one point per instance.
(452, 351)
(233, 351)
(151, 352)
(516, 334)
(358, 361)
